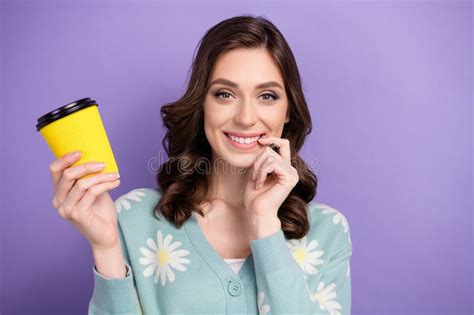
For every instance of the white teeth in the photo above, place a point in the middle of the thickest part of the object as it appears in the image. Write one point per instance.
(243, 140)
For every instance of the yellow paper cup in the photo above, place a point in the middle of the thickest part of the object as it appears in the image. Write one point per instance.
(77, 126)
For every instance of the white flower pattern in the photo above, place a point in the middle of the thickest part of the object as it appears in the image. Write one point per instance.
(162, 257)
(338, 217)
(326, 298)
(124, 200)
(263, 309)
(307, 288)
(301, 252)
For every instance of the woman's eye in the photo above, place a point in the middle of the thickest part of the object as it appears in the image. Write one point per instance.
(226, 95)
(273, 97)
(222, 93)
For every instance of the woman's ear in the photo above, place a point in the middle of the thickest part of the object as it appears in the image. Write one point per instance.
(287, 119)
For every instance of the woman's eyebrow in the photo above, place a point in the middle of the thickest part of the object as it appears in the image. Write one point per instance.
(235, 85)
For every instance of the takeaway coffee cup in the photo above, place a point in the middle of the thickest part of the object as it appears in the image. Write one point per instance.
(78, 126)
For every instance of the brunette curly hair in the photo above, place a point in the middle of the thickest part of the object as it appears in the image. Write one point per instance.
(181, 179)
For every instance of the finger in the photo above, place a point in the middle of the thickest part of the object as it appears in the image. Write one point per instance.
(69, 177)
(82, 185)
(57, 166)
(282, 169)
(282, 143)
(267, 153)
(287, 175)
(91, 195)
(261, 159)
(265, 169)
(80, 189)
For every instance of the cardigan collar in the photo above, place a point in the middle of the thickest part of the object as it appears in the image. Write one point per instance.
(211, 257)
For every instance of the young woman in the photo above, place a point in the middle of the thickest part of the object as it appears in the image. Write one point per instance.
(231, 227)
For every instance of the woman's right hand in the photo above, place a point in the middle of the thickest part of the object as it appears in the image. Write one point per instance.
(85, 202)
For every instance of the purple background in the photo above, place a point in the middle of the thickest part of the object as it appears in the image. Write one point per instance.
(389, 86)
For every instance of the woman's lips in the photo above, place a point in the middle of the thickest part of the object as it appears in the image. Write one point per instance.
(245, 135)
(241, 146)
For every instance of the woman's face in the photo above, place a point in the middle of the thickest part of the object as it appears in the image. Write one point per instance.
(246, 99)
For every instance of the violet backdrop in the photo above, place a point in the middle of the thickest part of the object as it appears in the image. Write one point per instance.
(389, 85)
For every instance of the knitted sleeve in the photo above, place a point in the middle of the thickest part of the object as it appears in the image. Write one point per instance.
(287, 282)
(115, 295)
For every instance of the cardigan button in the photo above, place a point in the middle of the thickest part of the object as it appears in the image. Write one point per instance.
(234, 287)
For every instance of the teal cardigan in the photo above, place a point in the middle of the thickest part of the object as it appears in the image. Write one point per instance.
(177, 271)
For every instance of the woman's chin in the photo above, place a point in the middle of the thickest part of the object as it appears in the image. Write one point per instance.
(240, 162)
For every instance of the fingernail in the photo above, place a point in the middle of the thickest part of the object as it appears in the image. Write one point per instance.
(76, 154)
(99, 165)
(118, 175)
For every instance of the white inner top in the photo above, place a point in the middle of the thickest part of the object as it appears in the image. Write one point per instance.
(235, 263)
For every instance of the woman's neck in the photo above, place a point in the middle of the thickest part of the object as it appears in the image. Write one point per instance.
(227, 185)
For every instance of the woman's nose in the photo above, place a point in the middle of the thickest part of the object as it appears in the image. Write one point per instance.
(246, 114)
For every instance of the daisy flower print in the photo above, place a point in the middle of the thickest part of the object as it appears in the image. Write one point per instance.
(123, 202)
(306, 255)
(162, 258)
(263, 309)
(326, 296)
(338, 216)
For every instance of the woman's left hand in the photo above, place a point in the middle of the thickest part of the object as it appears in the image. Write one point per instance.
(265, 194)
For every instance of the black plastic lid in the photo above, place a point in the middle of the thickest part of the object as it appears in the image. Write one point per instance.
(64, 111)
